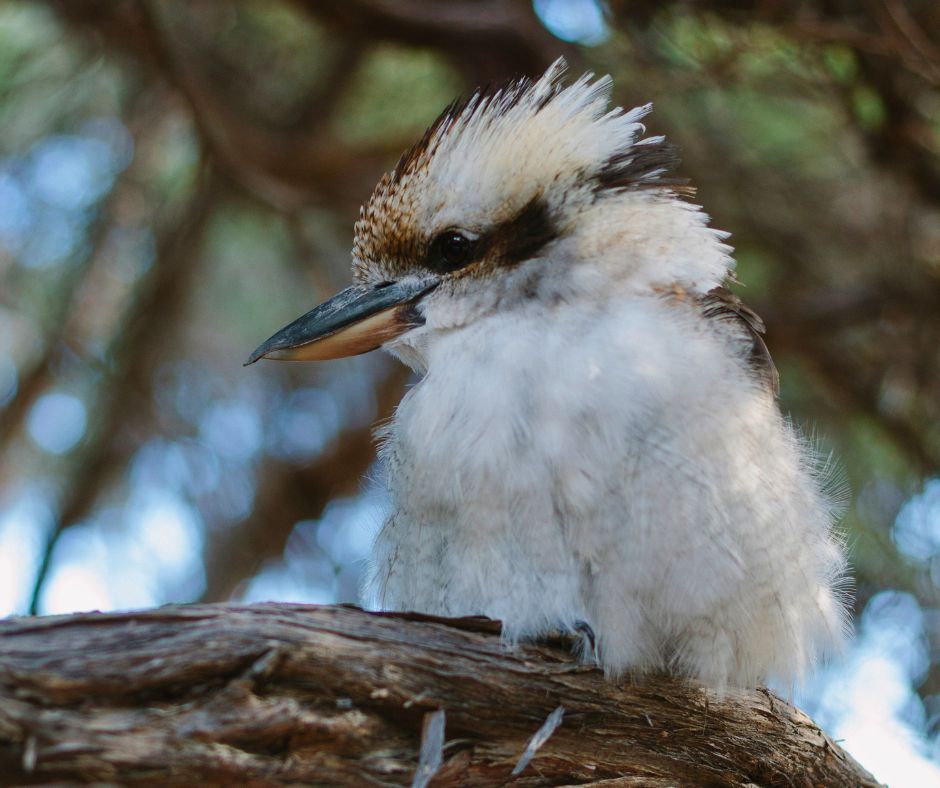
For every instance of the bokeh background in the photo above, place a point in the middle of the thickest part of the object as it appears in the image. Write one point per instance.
(179, 179)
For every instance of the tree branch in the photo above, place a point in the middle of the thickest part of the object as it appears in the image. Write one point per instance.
(271, 694)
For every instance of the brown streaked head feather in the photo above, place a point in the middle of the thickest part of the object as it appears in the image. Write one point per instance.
(513, 168)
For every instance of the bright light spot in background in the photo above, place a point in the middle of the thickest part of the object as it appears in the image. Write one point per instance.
(867, 701)
(578, 21)
(224, 489)
(353, 390)
(23, 529)
(76, 588)
(304, 424)
(349, 527)
(146, 553)
(79, 570)
(165, 530)
(71, 172)
(48, 196)
(186, 388)
(872, 731)
(324, 560)
(57, 422)
(232, 430)
(9, 379)
(183, 465)
(283, 583)
(235, 496)
(56, 235)
(15, 219)
(917, 527)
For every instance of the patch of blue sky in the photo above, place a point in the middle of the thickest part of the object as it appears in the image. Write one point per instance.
(143, 554)
(917, 526)
(577, 21)
(78, 586)
(287, 582)
(233, 499)
(57, 422)
(54, 237)
(232, 430)
(114, 134)
(303, 424)
(324, 560)
(47, 196)
(15, 212)
(183, 466)
(185, 388)
(25, 522)
(166, 536)
(349, 527)
(354, 388)
(70, 172)
(866, 700)
(193, 470)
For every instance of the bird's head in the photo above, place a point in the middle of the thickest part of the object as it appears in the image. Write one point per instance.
(531, 191)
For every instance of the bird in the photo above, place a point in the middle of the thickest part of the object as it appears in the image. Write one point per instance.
(594, 442)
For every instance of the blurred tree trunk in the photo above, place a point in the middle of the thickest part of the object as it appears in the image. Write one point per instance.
(276, 693)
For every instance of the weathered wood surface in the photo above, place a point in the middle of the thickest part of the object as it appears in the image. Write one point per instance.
(277, 693)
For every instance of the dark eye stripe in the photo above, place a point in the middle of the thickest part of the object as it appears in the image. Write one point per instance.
(525, 235)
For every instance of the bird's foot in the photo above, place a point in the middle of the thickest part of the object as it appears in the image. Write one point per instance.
(588, 642)
(579, 637)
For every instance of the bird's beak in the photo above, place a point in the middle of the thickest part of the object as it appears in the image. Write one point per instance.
(354, 321)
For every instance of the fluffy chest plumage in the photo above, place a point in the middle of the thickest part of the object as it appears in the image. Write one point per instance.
(514, 406)
(614, 464)
(557, 402)
(510, 463)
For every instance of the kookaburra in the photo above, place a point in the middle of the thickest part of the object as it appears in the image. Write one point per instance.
(595, 437)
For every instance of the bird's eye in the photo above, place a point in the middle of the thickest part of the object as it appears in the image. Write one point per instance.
(450, 250)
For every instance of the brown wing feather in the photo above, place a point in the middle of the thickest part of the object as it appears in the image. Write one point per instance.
(721, 304)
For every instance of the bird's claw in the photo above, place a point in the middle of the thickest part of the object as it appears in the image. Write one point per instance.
(585, 633)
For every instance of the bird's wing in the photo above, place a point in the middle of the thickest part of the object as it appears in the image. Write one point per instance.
(721, 304)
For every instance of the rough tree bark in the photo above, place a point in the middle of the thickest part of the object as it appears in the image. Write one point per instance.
(276, 693)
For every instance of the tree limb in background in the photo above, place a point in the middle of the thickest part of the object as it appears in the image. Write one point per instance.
(65, 306)
(896, 45)
(36, 379)
(287, 165)
(486, 40)
(135, 352)
(294, 163)
(274, 694)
